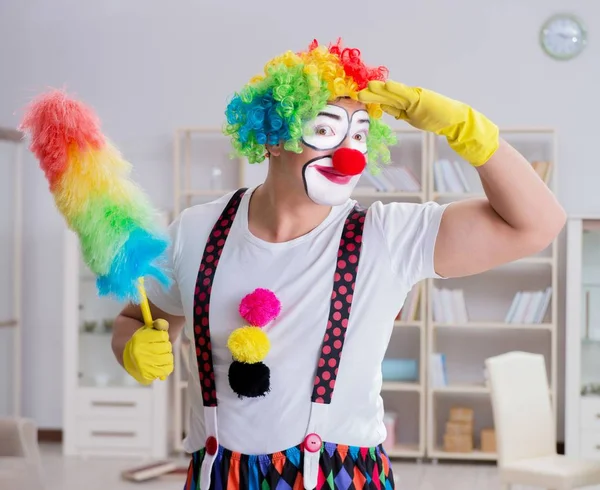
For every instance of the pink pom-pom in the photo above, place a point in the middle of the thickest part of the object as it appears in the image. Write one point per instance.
(260, 307)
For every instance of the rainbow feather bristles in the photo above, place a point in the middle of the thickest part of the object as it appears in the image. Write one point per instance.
(88, 178)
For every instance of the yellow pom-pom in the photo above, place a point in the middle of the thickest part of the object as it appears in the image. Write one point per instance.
(249, 344)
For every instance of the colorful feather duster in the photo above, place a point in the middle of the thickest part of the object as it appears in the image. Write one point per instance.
(88, 178)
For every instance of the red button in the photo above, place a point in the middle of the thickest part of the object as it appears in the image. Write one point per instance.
(313, 443)
(211, 446)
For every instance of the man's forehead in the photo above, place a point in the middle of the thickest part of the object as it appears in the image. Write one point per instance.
(350, 108)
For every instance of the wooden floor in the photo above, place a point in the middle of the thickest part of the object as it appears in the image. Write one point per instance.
(104, 474)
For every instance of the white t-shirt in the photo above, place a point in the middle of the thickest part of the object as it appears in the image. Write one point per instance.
(397, 252)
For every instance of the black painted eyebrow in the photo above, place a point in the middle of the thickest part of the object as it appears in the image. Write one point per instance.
(331, 115)
(364, 117)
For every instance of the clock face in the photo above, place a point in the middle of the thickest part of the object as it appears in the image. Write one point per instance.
(563, 37)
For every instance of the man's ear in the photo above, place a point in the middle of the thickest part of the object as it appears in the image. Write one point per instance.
(274, 150)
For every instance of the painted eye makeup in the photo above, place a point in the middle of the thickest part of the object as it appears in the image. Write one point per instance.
(359, 130)
(327, 130)
(324, 131)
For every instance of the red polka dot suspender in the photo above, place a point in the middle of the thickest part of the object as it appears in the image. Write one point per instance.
(206, 274)
(340, 307)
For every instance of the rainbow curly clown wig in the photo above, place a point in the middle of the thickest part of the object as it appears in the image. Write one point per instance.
(274, 107)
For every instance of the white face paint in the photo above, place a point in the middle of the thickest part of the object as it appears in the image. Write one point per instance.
(327, 132)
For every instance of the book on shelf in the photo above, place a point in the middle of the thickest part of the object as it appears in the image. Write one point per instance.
(529, 306)
(409, 311)
(449, 306)
(543, 169)
(449, 176)
(396, 178)
(437, 370)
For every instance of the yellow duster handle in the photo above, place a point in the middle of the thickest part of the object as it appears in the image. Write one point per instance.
(145, 307)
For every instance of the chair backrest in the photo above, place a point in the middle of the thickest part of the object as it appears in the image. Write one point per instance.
(522, 408)
(11, 443)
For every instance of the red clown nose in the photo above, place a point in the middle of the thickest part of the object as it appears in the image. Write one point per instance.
(348, 161)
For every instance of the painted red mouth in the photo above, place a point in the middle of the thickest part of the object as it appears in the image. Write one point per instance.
(333, 175)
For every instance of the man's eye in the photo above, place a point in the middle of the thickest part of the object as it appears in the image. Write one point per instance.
(360, 136)
(324, 131)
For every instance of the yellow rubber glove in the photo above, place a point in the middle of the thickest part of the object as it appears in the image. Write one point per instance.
(148, 354)
(469, 133)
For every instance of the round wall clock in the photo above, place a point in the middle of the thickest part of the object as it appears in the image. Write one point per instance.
(563, 37)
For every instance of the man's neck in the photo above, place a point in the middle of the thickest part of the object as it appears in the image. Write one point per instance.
(278, 215)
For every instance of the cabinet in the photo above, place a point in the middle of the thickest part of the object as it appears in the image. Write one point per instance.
(582, 382)
(106, 412)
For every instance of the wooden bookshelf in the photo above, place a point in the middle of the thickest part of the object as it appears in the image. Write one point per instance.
(489, 329)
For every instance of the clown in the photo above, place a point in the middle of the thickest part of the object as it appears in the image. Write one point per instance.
(306, 104)
(289, 290)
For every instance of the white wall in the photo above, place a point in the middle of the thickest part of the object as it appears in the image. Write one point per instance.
(148, 66)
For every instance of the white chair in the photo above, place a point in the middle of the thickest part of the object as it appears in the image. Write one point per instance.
(20, 462)
(525, 429)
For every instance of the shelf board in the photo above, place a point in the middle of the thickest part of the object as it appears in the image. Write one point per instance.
(458, 389)
(462, 389)
(405, 451)
(497, 325)
(408, 324)
(401, 386)
(474, 455)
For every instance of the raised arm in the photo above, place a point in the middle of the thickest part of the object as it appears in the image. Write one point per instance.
(519, 216)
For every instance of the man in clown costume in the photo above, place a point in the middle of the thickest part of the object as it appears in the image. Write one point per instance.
(289, 290)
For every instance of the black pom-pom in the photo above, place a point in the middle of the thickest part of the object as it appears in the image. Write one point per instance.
(249, 380)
